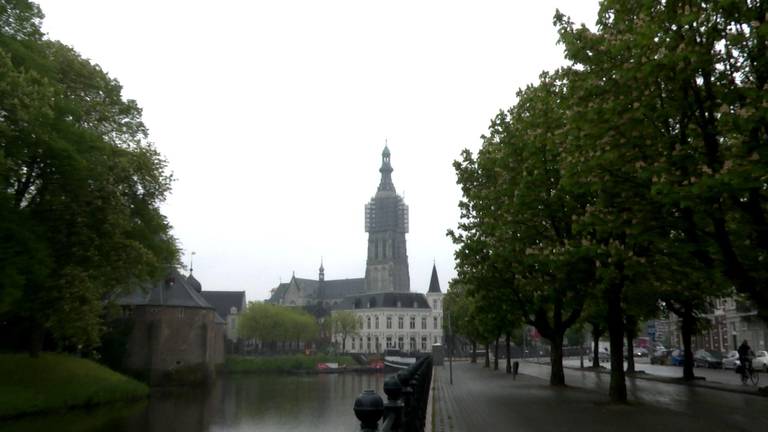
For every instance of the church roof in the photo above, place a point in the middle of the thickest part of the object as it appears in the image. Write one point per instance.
(405, 300)
(224, 301)
(308, 287)
(174, 290)
(338, 288)
(434, 284)
(278, 292)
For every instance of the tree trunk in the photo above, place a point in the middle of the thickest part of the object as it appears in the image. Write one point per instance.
(630, 353)
(496, 355)
(487, 356)
(509, 354)
(687, 329)
(556, 374)
(474, 352)
(596, 333)
(618, 387)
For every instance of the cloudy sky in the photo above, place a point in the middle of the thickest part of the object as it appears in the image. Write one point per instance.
(273, 115)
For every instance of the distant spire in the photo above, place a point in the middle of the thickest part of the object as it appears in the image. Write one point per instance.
(191, 261)
(321, 275)
(434, 284)
(386, 171)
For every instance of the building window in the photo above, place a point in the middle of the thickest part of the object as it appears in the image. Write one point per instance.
(369, 344)
(400, 342)
(413, 323)
(423, 343)
(389, 341)
(368, 323)
(434, 322)
(400, 323)
(423, 323)
(353, 344)
(413, 344)
(376, 322)
(434, 304)
(389, 322)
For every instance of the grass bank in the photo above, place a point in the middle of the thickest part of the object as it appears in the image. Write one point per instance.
(283, 363)
(54, 382)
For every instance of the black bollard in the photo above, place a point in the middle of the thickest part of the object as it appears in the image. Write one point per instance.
(369, 407)
(515, 368)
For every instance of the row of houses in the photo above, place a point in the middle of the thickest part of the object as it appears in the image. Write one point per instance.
(731, 321)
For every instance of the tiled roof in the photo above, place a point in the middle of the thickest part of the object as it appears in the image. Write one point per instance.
(224, 301)
(384, 300)
(279, 292)
(174, 290)
(335, 289)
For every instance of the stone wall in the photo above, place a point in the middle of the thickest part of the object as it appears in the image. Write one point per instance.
(174, 344)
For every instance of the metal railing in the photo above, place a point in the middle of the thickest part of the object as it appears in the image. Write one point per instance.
(407, 397)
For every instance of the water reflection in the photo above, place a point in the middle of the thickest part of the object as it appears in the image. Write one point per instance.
(233, 403)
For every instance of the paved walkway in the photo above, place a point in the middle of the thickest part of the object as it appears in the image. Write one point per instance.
(482, 399)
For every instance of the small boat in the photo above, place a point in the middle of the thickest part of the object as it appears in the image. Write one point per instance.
(396, 359)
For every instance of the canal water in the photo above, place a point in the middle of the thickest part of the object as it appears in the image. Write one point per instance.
(235, 403)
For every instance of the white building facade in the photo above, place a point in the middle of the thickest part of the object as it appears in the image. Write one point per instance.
(410, 322)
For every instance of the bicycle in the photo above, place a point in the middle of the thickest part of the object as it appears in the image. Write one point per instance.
(750, 374)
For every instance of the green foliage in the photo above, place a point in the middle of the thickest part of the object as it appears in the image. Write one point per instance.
(344, 323)
(271, 323)
(54, 382)
(299, 362)
(80, 186)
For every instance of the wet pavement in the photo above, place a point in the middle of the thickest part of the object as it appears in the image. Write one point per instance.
(724, 376)
(483, 399)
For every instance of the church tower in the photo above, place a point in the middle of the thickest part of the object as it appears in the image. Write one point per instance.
(386, 222)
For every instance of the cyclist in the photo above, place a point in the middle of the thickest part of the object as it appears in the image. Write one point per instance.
(745, 357)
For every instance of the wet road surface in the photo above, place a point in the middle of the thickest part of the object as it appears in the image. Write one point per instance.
(482, 399)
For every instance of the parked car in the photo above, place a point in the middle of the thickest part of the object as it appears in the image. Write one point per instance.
(640, 352)
(602, 356)
(676, 357)
(760, 361)
(661, 357)
(707, 359)
(731, 360)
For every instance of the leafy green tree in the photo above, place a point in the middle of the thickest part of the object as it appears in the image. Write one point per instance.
(516, 238)
(272, 325)
(80, 188)
(344, 324)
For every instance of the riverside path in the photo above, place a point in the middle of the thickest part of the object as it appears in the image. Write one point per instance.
(484, 399)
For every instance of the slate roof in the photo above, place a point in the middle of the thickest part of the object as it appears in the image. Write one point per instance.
(279, 292)
(333, 289)
(194, 283)
(434, 284)
(224, 301)
(384, 300)
(308, 287)
(172, 291)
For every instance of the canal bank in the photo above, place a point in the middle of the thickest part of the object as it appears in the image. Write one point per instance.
(271, 402)
(56, 382)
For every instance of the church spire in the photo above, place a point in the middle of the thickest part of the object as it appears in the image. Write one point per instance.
(434, 284)
(386, 172)
(321, 273)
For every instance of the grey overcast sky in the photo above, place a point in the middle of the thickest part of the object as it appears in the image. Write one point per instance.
(273, 116)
